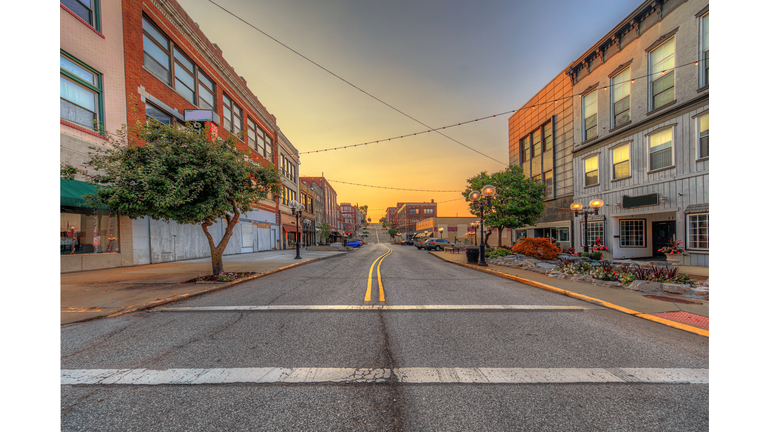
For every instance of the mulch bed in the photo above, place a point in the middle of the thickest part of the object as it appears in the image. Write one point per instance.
(225, 277)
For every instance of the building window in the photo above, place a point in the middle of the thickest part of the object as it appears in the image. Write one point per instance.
(698, 231)
(159, 115)
(632, 233)
(661, 146)
(547, 137)
(620, 98)
(80, 93)
(621, 162)
(521, 234)
(536, 143)
(88, 10)
(233, 116)
(88, 231)
(591, 177)
(252, 135)
(703, 136)
(563, 234)
(595, 231)
(662, 64)
(188, 80)
(549, 191)
(525, 146)
(267, 147)
(429, 211)
(414, 211)
(590, 115)
(704, 56)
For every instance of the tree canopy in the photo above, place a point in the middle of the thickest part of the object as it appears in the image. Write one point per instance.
(177, 174)
(519, 201)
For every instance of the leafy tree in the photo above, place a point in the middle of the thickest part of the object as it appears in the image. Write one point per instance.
(392, 233)
(177, 174)
(325, 232)
(519, 201)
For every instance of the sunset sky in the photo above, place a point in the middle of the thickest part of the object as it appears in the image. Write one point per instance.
(441, 62)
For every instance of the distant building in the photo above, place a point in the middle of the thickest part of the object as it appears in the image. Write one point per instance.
(331, 211)
(409, 214)
(288, 164)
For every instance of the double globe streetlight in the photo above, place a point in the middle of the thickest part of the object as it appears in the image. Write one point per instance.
(296, 209)
(488, 192)
(579, 210)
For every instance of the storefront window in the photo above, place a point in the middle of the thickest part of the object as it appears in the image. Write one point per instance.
(88, 231)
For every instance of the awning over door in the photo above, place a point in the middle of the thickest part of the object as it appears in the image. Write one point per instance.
(72, 192)
(289, 228)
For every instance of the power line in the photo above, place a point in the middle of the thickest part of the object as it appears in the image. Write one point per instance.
(349, 83)
(631, 80)
(385, 187)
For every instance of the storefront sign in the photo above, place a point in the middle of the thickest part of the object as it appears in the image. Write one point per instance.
(453, 229)
(639, 201)
(261, 225)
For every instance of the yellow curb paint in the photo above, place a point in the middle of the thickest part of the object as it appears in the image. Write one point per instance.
(370, 278)
(378, 275)
(667, 322)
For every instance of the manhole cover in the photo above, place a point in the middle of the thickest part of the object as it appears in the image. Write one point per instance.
(673, 300)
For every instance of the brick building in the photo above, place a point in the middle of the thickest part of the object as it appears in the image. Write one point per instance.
(409, 214)
(331, 209)
(172, 67)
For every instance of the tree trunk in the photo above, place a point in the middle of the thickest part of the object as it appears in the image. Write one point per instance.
(217, 251)
(501, 230)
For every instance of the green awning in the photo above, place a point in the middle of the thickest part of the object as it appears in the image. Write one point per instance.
(72, 192)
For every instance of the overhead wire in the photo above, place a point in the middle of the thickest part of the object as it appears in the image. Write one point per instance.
(349, 83)
(411, 134)
(385, 187)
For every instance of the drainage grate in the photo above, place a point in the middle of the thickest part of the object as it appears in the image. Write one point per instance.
(673, 300)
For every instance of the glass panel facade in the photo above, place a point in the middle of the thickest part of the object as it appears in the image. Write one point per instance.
(536, 143)
(88, 231)
(595, 231)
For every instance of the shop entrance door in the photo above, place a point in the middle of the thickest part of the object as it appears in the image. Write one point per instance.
(662, 232)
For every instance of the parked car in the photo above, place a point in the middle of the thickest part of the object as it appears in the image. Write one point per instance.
(408, 242)
(436, 244)
(419, 242)
(354, 243)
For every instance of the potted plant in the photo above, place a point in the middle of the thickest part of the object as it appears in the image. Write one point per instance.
(673, 251)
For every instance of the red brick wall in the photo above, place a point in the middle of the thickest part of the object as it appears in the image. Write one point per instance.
(137, 76)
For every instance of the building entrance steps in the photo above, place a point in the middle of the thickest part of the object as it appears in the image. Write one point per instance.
(93, 294)
(624, 300)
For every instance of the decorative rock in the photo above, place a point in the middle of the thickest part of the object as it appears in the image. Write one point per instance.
(531, 262)
(545, 265)
(613, 284)
(675, 288)
(700, 292)
(646, 286)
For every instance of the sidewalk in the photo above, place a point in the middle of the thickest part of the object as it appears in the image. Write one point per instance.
(689, 317)
(110, 292)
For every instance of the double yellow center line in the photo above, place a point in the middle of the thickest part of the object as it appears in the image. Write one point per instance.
(378, 275)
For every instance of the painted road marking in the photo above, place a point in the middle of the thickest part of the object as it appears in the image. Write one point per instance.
(370, 276)
(276, 375)
(370, 307)
(378, 275)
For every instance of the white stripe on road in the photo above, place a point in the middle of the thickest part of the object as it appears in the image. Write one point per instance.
(383, 375)
(365, 307)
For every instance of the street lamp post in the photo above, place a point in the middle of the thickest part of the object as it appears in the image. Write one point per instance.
(441, 232)
(488, 192)
(579, 210)
(296, 209)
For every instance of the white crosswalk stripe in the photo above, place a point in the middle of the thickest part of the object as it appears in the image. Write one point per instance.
(367, 307)
(414, 375)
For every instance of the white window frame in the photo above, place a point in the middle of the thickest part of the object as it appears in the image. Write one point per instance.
(613, 161)
(584, 115)
(628, 83)
(703, 53)
(698, 136)
(648, 148)
(652, 78)
(643, 236)
(594, 228)
(688, 233)
(584, 162)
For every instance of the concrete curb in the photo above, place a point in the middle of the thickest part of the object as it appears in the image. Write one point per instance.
(226, 285)
(677, 325)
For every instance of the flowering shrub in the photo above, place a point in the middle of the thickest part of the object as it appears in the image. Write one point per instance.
(673, 247)
(598, 246)
(539, 248)
(624, 274)
(500, 252)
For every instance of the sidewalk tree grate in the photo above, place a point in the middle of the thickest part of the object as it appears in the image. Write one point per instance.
(673, 300)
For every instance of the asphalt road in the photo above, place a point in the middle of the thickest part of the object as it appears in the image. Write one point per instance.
(550, 363)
